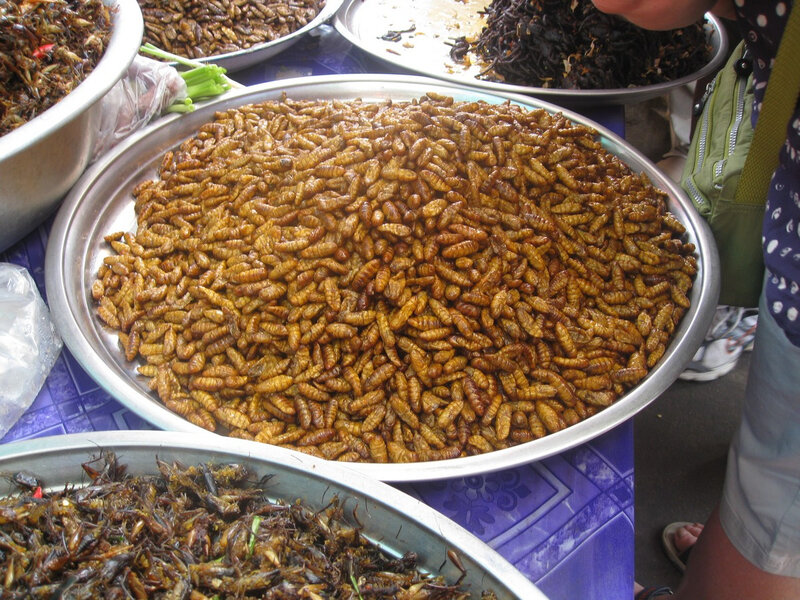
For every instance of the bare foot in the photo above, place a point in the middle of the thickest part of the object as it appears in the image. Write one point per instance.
(685, 537)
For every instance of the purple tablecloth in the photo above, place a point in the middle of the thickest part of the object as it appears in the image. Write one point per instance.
(566, 522)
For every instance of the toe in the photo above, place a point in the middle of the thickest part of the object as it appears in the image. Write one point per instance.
(686, 537)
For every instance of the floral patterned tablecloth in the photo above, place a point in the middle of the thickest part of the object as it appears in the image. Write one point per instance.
(566, 521)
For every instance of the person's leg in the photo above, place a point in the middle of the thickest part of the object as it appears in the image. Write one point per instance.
(750, 547)
(717, 571)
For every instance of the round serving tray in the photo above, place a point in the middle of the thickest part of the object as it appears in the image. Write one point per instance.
(101, 203)
(388, 517)
(240, 59)
(425, 26)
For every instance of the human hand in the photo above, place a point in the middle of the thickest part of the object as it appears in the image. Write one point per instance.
(664, 14)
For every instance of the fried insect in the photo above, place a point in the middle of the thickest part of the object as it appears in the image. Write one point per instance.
(380, 316)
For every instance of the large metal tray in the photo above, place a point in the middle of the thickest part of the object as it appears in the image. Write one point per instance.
(387, 516)
(101, 203)
(424, 50)
(235, 61)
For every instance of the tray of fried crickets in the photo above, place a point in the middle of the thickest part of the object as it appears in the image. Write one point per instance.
(157, 513)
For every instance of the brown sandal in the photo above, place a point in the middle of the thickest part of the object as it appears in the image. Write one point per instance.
(653, 592)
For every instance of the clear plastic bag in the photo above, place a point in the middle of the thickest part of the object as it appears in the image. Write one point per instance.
(29, 343)
(147, 89)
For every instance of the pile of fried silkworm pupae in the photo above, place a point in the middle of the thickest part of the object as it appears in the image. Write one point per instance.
(199, 532)
(201, 28)
(394, 281)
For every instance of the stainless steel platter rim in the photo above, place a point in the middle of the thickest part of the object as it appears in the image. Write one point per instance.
(338, 475)
(247, 56)
(110, 68)
(603, 96)
(690, 333)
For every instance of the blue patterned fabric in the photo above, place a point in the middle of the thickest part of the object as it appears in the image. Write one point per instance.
(565, 522)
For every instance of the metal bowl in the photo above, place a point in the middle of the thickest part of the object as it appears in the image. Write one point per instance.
(435, 22)
(240, 59)
(42, 159)
(392, 519)
(101, 203)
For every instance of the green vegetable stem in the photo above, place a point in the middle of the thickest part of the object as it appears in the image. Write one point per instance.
(203, 81)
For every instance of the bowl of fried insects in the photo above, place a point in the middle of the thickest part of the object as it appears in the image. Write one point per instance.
(168, 514)
(57, 60)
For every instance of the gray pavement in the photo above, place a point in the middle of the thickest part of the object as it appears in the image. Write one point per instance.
(680, 445)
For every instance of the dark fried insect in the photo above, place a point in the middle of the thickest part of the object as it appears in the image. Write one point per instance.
(459, 47)
(573, 45)
(25, 479)
(396, 35)
(159, 536)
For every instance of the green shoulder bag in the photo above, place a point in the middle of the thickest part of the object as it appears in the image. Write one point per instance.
(717, 153)
(730, 165)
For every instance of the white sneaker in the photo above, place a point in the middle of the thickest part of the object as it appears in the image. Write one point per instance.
(732, 332)
(745, 332)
